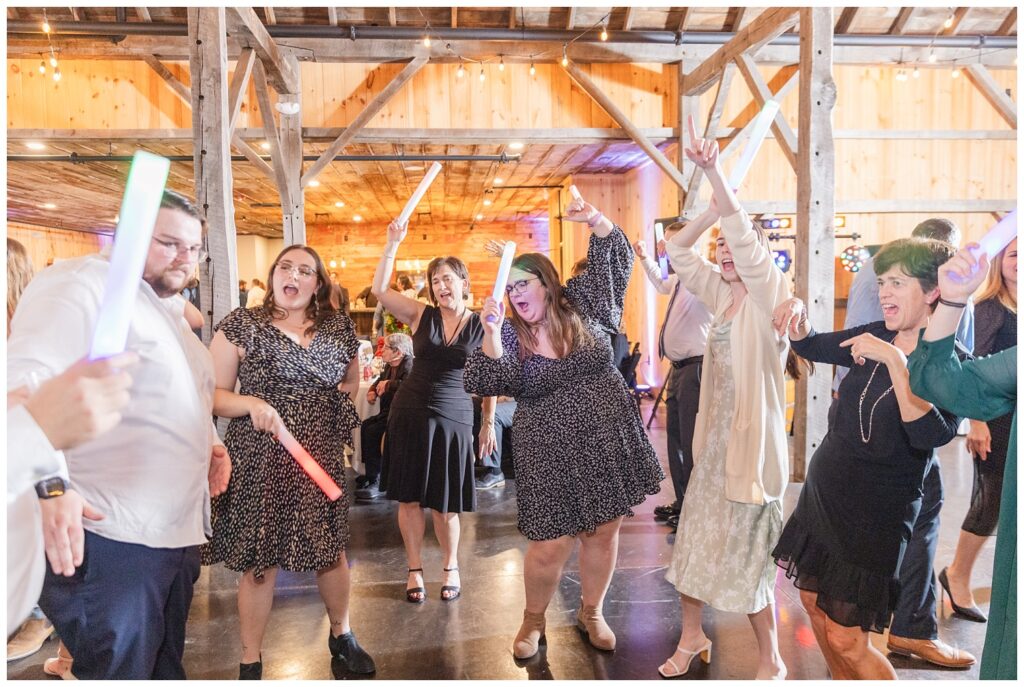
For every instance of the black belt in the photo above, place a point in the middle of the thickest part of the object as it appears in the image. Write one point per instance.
(680, 364)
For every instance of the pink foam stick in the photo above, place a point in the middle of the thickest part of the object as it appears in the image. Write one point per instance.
(306, 462)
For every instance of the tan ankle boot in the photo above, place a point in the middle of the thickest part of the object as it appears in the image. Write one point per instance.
(591, 621)
(530, 635)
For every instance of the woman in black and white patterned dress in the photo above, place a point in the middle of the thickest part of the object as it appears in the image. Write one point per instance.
(581, 456)
(294, 359)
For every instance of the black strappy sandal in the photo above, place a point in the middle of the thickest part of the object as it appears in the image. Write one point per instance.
(411, 592)
(451, 588)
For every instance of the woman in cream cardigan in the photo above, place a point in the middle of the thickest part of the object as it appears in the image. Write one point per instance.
(732, 513)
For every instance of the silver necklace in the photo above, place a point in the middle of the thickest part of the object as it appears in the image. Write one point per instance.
(860, 407)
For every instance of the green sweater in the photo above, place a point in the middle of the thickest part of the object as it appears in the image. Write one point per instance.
(983, 389)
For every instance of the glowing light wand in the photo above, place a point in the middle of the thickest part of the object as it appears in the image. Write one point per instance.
(757, 135)
(311, 467)
(417, 195)
(995, 239)
(139, 208)
(504, 267)
(659, 236)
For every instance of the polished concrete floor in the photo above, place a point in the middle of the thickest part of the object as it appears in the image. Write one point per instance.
(471, 637)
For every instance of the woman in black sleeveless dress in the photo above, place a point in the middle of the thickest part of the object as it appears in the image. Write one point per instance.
(429, 442)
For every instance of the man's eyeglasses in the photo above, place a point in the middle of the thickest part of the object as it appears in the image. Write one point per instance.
(172, 249)
(301, 271)
(519, 286)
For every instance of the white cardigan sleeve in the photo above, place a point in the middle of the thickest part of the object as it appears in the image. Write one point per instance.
(765, 282)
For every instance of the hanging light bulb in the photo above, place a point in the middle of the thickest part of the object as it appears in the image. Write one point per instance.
(565, 55)
(42, 67)
(461, 72)
(604, 33)
(482, 77)
(955, 73)
(533, 70)
(949, 22)
(917, 73)
(932, 57)
(53, 60)
(426, 41)
(501, 64)
(56, 74)
(901, 75)
(46, 25)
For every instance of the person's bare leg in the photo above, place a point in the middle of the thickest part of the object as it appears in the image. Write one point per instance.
(542, 570)
(861, 660)
(448, 530)
(598, 553)
(769, 660)
(412, 525)
(691, 638)
(334, 584)
(255, 599)
(810, 603)
(960, 570)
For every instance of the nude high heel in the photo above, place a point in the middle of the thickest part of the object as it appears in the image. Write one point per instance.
(670, 668)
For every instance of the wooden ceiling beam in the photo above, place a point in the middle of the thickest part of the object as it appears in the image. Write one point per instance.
(364, 117)
(896, 29)
(993, 92)
(332, 16)
(769, 25)
(737, 21)
(959, 14)
(780, 127)
(455, 17)
(245, 26)
(239, 83)
(392, 16)
(570, 19)
(627, 20)
(684, 16)
(143, 13)
(1007, 27)
(271, 17)
(271, 133)
(846, 18)
(512, 22)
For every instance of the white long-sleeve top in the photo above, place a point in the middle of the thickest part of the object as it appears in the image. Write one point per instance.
(757, 455)
(148, 475)
(687, 321)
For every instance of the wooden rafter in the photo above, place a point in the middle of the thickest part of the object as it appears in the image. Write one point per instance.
(846, 18)
(622, 120)
(246, 28)
(627, 21)
(76, 13)
(455, 17)
(1008, 24)
(770, 24)
(737, 19)
(364, 117)
(901, 20)
(780, 127)
(684, 16)
(993, 92)
(392, 16)
(270, 131)
(570, 18)
(512, 22)
(271, 17)
(143, 13)
(239, 82)
(332, 16)
(959, 14)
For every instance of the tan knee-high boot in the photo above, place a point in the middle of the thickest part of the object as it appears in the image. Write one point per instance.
(591, 621)
(530, 635)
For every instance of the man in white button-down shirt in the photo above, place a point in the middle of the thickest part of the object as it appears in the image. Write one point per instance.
(122, 612)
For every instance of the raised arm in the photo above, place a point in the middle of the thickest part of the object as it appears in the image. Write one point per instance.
(407, 310)
(599, 293)
(959, 277)
(651, 269)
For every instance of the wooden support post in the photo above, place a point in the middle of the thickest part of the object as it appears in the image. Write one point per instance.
(272, 136)
(688, 105)
(364, 117)
(591, 89)
(291, 154)
(239, 82)
(212, 163)
(815, 247)
(978, 75)
(780, 127)
(249, 31)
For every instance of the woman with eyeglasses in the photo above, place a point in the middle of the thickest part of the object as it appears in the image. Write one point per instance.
(581, 456)
(430, 427)
(294, 358)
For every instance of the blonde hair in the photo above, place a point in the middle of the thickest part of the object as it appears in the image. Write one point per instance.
(19, 274)
(996, 287)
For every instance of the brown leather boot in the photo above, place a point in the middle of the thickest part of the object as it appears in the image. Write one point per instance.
(591, 622)
(530, 636)
(932, 650)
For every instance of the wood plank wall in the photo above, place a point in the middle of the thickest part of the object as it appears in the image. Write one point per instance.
(46, 245)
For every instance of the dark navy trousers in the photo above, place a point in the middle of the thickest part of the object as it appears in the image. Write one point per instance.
(122, 614)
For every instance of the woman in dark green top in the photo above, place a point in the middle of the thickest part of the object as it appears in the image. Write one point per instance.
(982, 389)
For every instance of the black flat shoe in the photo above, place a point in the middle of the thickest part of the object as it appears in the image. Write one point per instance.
(673, 522)
(972, 613)
(410, 592)
(251, 671)
(454, 590)
(666, 511)
(346, 648)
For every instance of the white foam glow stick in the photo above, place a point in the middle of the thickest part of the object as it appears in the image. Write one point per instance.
(139, 208)
(997, 238)
(311, 467)
(659, 236)
(504, 267)
(575, 192)
(757, 135)
(417, 195)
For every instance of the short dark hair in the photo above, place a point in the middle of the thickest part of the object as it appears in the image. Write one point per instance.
(175, 201)
(918, 258)
(940, 229)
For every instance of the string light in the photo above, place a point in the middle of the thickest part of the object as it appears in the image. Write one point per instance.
(901, 75)
(604, 33)
(46, 24)
(932, 57)
(56, 74)
(917, 73)
(42, 67)
(426, 41)
(53, 60)
(956, 72)
(501, 64)
(949, 21)
(565, 55)
(533, 70)
(461, 72)
(482, 77)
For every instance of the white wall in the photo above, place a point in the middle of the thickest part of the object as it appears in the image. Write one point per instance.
(255, 253)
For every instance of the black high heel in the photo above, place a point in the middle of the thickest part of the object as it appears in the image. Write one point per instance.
(972, 613)
(251, 671)
(451, 588)
(410, 593)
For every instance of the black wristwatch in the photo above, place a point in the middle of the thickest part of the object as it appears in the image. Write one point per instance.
(51, 487)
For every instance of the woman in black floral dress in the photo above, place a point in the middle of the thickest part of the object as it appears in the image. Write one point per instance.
(581, 456)
(294, 358)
